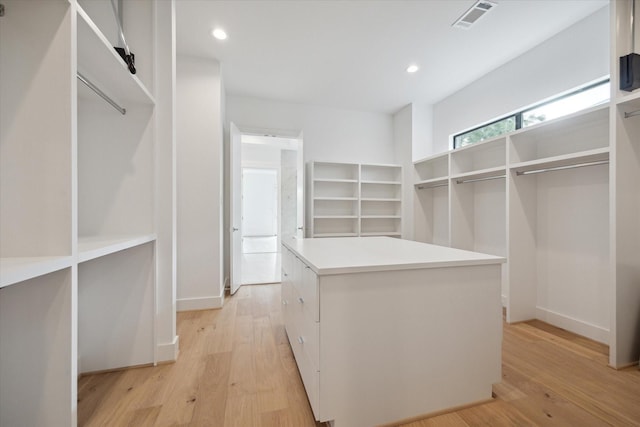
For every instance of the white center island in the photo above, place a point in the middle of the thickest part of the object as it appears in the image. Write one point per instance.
(385, 330)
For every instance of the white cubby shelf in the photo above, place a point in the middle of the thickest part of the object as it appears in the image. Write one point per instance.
(353, 199)
(78, 282)
(93, 247)
(18, 269)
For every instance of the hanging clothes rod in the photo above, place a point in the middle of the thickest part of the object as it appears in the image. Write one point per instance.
(102, 95)
(422, 187)
(464, 181)
(557, 168)
(631, 114)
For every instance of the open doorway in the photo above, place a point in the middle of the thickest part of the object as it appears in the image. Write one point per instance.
(260, 223)
(271, 204)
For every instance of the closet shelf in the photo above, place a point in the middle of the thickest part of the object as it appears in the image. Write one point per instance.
(351, 181)
(100, 63)
(92, 247)
(443, 157)
(381, 182)
(631, 101)
(596, 155)
(380, 217)
(336, 198)
(18, 269)
(433, 182)
(335, 217)
(379, 199)
(480, 174)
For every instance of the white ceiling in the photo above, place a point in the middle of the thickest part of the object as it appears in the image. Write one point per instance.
(353, 54)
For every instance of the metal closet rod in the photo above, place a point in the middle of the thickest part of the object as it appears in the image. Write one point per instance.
(422, 187)
(557, 168)
(464, 181)
(102, 95)
(631, 114)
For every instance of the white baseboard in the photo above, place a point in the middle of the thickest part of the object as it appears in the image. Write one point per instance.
(201, 303)
(168, 352)
(580, 327)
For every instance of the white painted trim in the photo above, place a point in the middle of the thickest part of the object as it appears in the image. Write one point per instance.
(200, 303)
(505, 300)
(168, 352)
(580, 327)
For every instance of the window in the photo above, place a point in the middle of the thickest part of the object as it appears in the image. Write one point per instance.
(561, 106)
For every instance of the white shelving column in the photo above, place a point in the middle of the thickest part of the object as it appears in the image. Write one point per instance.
(116, 240)
(380, 200)
(351, 199)
(479, 200)
(558, 233)
(37, 292)
(625, 196)
(334, 199)
(432, 200)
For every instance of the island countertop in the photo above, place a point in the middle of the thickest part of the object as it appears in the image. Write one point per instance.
(328, 256)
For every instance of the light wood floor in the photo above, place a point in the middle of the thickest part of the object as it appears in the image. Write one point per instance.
(236, 369)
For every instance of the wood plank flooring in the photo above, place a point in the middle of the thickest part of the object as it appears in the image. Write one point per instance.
(236, 369)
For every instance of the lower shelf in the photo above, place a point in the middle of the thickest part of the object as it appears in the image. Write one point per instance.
(92, 247)
(18, 269)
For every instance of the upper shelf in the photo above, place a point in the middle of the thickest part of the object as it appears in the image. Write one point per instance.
(99, 62)
(15, 270)
(480, 174)
(587, 156)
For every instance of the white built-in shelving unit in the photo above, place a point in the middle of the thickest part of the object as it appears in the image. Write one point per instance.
(351, 199)
(624, 293)
(77, 183)
(559, 199)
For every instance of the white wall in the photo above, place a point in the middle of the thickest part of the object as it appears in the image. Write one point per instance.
(403, 138)
(199, 108)
(578, 55)
(329, 134)
(422, 119)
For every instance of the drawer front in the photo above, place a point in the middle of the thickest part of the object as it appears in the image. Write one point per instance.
(310, 333)
(308, 373)
(309, 293)
(287, 260)
(286, 297)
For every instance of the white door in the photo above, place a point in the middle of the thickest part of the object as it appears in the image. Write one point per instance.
(235, 238)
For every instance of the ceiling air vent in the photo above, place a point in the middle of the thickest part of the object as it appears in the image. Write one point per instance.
(475, 12)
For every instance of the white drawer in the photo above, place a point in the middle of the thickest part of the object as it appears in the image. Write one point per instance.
(286, 298)
(309, 293)
(287, 260)
(308, 373)
(310, 333)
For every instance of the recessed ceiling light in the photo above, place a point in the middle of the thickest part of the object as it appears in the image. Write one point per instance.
(412, 68)
(219, 33)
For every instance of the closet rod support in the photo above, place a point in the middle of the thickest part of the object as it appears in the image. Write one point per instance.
(102, 95)
(557, 168)
(631, 114)
(464, 181)
(422, 187)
